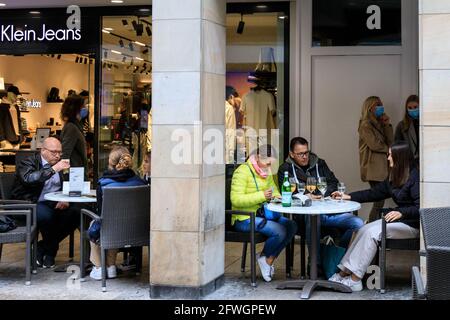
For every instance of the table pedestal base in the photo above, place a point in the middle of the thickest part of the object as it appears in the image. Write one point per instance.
(308, 286)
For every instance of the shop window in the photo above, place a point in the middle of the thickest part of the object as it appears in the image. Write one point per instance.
(256, 96)
(357, 23)
(125, 111)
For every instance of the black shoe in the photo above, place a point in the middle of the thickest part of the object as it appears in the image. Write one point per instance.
(49, 262)
(40, 257)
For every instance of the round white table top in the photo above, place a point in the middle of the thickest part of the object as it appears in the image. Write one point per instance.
(60, 197)
(318, 207)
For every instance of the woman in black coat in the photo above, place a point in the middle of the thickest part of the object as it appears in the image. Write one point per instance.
(403, 186)
(72, 138)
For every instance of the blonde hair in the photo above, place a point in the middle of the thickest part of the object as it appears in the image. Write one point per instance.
(120, 159)
(366, 113)
(148, 155)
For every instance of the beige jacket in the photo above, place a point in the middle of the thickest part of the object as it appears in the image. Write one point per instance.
(374, 142)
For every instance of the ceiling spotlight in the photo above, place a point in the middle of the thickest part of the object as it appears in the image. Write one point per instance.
(85, 60)
(145, 51)
(105, 54)
(240, 28)
(59, 56)
(124, 22)
(134, 23)
(149, 30)
(131, 46)
(132, 61)
(139, 29)
(124, 59)
(77, 59)
(116, 1)
(121, 43)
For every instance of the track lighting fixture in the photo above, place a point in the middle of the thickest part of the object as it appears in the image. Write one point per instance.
(121, 43)
(85, 60)
(149, 31)
(124, 22)
(77, 59)
(240, 28)
(131, 46)
(59, 56)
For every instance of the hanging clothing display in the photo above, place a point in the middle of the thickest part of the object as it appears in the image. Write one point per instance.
(258, 106)
(230, 132)
(9, 122)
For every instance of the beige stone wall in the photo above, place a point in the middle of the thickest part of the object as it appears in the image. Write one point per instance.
(434, 65)
(188, 200)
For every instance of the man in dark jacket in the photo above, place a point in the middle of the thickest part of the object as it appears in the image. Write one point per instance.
(36, 176)
(302, 164)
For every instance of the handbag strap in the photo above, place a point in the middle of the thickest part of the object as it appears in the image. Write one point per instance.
(253, 175)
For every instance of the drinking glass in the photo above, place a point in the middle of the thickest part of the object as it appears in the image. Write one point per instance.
(66, 171)
(311, 184)
(293, 184)
(341, 190)
(301, 188)
(322, 186)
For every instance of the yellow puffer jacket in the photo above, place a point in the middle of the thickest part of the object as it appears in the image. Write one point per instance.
(244, 194)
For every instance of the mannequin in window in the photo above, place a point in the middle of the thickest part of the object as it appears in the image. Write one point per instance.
(10, 124)
(230, 124)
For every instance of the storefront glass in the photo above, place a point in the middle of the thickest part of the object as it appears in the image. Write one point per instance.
(125, 103)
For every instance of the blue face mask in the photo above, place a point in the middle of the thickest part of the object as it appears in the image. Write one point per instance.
(379, 111)
(84, 113)
(414, 113)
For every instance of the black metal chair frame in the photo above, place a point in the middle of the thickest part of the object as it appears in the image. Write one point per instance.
(393, 244)
(251, 237)
(21, 234)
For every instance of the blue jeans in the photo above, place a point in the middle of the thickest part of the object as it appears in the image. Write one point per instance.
(346, 223)
(279, 233)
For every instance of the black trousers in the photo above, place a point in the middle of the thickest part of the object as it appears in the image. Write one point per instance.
(55, 225)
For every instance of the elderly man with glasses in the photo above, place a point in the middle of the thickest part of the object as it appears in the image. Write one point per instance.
(36, 176)
(301, 164)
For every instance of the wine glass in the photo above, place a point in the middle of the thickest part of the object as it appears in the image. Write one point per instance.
(311, 184)
(293, 184)
(301, 188)
(341, 190)
(322, 186)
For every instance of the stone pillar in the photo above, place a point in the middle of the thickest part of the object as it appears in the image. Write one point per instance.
(434, 47)
(188, 199)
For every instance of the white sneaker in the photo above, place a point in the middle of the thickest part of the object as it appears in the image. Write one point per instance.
(111, 271)
(265, 269)
(272, 271)
(354, 285)
(96, 273)
(336, 278)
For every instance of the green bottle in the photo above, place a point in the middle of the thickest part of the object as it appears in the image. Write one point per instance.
(286, 194)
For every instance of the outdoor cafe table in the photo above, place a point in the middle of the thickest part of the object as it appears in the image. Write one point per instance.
(60, 197)
(317, 209)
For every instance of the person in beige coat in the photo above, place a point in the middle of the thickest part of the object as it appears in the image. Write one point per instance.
(376, 135)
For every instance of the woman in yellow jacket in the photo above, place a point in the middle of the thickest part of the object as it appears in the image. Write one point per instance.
(252, 186)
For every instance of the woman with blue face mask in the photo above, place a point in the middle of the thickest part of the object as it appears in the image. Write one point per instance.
(376, 135)
(408, 129)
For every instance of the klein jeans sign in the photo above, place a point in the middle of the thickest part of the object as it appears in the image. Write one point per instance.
(71, 32)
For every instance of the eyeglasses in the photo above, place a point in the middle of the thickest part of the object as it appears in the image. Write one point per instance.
(302, 154)
(54, 152)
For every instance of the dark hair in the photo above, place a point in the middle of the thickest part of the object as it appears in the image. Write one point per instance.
(84, 93)
(71, 108)
(230, 91)
(298, 140)
(403, 163)
(407, 118)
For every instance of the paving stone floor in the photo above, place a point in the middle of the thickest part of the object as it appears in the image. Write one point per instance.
(47, 284)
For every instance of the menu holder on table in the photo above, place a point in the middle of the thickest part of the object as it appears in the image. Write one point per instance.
(76, 182)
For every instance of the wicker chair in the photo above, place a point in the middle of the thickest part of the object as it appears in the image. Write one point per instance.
(125, 223)
(6, 185)
(27, 234)
(392, 244)
(435, 225)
